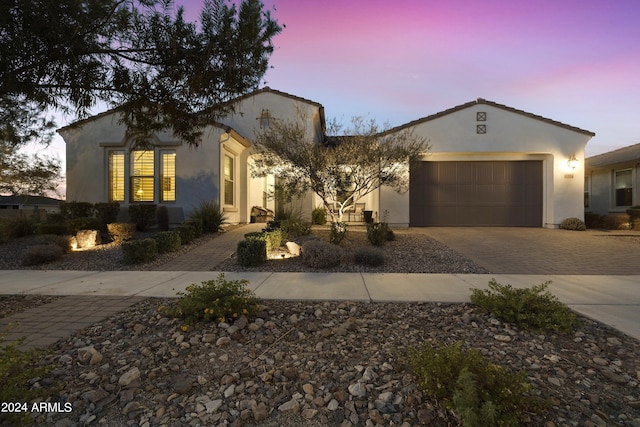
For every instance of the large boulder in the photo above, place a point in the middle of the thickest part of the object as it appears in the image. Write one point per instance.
(88, 238)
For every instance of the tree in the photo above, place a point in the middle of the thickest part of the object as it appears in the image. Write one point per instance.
(341, 169)
(141, 56)
(21, 174)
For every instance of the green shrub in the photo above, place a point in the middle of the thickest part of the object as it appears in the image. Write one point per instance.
(319, 254)
(41, 254)
(167, 241)
(162, 218)
(196, 224)
(616, 222)
(479, 392)
(534, 307)
(139, 251)
(187, 233)
(338, 232)
(85, 223)
(252, 252)
(593, 220)
(218, 300)
(319, 216)
(573, 224)
(272, 238)
(17, 368)
(55, 239)
(292, 228)
(73, 210)
(369, 256)
(210, 215)
(378, 233)
(47, 228)
(143, 216)
(107, 212)
(20, 227)
(121, 231)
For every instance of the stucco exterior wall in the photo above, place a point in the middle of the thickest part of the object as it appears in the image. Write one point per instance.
(509, 136)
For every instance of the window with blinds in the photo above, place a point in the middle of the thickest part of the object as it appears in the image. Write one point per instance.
(142, 176)
(116, 176)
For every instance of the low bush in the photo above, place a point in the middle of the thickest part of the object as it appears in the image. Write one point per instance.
(534, 308)
(107, 212)
(616, 222)
(162, 218)
(85, 223)
(378, 233)
(48, 228)
(338, 232)
(143, 216)
(20, 227)
(319, 216)
(218, 300)
(575, 224)
(196, 224)
(479, 392)
(73, 210)
(292, 228)
(41, 254)
(139, 251)
(121, 231)
(17, 369)
(319, 254)
(272, 238)
(167, 241)
(369, 256)
(592, 220)
(55, 239)
(252, 252)
(210, 215)
(187, 233)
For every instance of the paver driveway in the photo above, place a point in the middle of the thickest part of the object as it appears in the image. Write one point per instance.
(543, 251)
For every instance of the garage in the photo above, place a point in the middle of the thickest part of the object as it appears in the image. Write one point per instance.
(476, 193)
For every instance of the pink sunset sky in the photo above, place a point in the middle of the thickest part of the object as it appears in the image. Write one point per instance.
(574, 61)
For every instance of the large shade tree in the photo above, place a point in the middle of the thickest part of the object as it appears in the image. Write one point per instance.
(350, 163)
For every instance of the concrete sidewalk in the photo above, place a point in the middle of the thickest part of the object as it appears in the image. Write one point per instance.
(613, 300)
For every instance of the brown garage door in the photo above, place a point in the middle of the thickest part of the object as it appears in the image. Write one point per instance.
(496, 193)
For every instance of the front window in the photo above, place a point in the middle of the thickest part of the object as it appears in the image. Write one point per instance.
(142, 176)
(116, 176)
(624, 188)
(168, 178)
(228, 180)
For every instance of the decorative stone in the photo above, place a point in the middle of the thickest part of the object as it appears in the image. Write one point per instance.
(89, 355)
(290, 407)
(358, 390)
(86, 239)
(129, 377)
(293, 248)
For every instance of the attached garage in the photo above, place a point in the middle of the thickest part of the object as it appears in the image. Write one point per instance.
(476, 193)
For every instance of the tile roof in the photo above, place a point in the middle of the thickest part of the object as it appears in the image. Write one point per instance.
(621, 155)
(493, 104)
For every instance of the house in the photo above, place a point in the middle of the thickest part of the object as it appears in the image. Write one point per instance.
(11, 206)
(612, 181)
(489, 165)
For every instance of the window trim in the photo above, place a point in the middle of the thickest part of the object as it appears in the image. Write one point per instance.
(233, 179)
(587, 192)
(162, 178)
(110, 191)
(614, 194)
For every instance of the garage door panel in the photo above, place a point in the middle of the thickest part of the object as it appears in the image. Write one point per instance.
(500, 193)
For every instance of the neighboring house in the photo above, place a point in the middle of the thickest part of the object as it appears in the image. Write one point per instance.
(11, 206)
(612, 181)
(489, 165)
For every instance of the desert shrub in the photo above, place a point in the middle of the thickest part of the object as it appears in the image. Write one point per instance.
(292, 228)
(319, 216)
(162, 218)
(73, 210)
(338, 232)
(107, 212)
(378, 233)
(319, 254)
(143, 216)
(479, 392)
(55, 239)
(573, 224)
(85, 223)
(592, 220)
(252, 252)
(211, 216)
(48, 228)
(187, 233)
(616, 222)
(369, 256)
(196, 224)
(167, 241)
(17, 368)
(20, 226)
(534, 308)
(55, 218)
(121, 231)
(272, 238)
(41, 254)
(218, 300)
(139, 251)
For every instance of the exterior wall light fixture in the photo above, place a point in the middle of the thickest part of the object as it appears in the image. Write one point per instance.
(572, 162)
